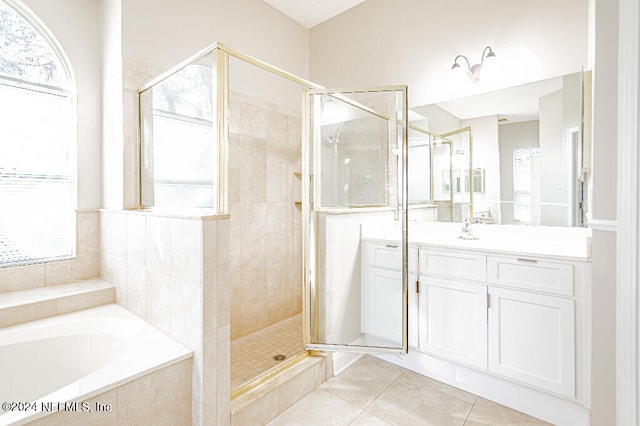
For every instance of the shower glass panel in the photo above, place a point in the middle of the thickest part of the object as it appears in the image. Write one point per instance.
(177, 131)
(356, 162)
(454, 186)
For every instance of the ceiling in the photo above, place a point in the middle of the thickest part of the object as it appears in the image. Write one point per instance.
(309, 13)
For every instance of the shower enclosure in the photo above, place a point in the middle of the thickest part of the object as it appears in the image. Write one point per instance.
(298, 184)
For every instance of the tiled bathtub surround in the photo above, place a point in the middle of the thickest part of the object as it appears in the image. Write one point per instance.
(130, 403)
(85, 265)
(173, 271)
(265, 225)
(22, 306)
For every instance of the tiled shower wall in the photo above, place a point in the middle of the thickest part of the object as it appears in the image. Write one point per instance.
(265, 224)
(174, 273)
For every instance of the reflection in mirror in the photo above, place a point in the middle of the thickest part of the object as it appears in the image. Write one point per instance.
(177, 134)
(354, 149)
(527, 153)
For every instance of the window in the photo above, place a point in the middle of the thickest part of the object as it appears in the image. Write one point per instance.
(524, 187)
(37, 164)
(178, 139)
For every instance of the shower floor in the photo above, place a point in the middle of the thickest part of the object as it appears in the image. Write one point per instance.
(253, 354)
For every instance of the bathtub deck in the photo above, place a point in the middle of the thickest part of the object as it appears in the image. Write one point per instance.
(23, 306)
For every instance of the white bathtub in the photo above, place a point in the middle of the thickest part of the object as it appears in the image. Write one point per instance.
(75, 356)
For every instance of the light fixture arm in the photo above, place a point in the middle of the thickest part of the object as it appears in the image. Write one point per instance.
(455, 61)
(486, 53)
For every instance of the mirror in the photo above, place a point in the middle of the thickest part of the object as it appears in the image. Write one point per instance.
(527, 154)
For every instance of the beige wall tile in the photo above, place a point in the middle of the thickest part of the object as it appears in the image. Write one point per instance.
(210, 241)
(119, 279)
(57, 273)
(224, 229)
(223, 363)
(136, 239)
(87, 232)
(85, 301)
(85, 266)
(259, 412)
(209, 364)
(22, 277)
(26, 313)
(158, 244)
(210, 309)
(137, 290)
(162, 397)
(292, 390)
(186, 251)
(186, 314)
(103, 418)
(159, 299)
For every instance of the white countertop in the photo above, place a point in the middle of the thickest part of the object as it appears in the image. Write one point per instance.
(539, 241)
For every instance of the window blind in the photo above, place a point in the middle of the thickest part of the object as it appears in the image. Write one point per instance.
(36, 179)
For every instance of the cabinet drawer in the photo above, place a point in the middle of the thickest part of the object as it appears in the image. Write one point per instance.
(451, 264)
(531, 274)
(389, 256)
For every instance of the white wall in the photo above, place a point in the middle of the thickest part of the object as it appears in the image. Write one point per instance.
(414, 42)
(76, 25)
(112, 130)
(603, 214)
(163, 33)
(552, 180)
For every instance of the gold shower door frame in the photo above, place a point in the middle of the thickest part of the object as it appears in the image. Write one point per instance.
(311, 172)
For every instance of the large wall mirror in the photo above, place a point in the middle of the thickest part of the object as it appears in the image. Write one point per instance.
(520, 162)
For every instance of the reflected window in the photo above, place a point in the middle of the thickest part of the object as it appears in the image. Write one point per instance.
(37, 155)
(524, 177)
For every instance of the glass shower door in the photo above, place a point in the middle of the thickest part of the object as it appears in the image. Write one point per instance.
(355, 201)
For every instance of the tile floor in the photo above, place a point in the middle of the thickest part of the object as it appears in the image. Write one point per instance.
(252, 355)
(375, 392)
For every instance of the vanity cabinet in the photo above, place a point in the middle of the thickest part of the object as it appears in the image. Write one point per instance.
(520, 318)
(532, 339)
(453, 320)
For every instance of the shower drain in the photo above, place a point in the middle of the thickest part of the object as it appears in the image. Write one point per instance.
(279, 357)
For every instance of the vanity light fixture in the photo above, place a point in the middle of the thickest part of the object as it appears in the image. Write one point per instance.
(473, 71)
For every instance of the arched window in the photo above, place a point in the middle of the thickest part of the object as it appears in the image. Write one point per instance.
(37, 142)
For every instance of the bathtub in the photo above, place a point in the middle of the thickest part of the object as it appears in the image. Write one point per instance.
(47, 363)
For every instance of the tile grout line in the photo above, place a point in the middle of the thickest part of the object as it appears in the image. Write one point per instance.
(469, 413)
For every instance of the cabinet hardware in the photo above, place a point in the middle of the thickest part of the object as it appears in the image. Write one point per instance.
(488, 301)
(391, 246)
(417, 286)
(525, 260)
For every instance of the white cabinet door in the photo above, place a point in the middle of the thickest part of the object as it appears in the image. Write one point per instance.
(453, 320)
(531, 339)
(382, 306)
(412, 314)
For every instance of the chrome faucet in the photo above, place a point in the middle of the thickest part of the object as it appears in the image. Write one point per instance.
(467, 234)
